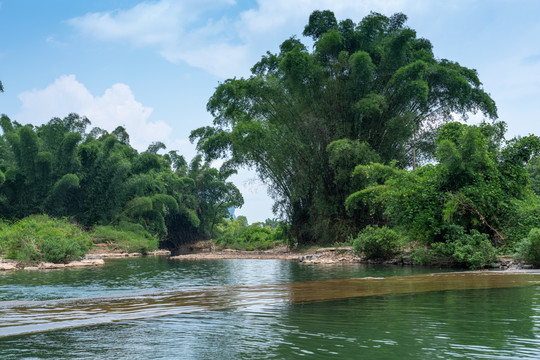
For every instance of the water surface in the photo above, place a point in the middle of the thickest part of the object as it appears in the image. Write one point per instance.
(259, 309)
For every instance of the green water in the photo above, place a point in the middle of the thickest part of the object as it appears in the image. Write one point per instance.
(266, 309)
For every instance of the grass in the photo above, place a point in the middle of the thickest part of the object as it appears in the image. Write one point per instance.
(39, 238)
(126, 236)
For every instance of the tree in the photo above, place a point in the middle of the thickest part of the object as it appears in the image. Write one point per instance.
(534, 172)
(98, 179)
(475, 198)
(472, 179)
(154, 147)
(373, 85)
(214, 194)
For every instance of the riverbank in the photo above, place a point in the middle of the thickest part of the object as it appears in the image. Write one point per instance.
(8, 264)
(207, 251)
(96, 257)
(326, 255)
(313, 255)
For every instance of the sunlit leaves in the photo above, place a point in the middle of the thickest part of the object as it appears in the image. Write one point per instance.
(373, 82)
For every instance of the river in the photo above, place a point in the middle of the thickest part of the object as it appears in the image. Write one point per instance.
(155, 308)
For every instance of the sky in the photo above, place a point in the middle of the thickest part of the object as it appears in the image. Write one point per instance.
(151, 66)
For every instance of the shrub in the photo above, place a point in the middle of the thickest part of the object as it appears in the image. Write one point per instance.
(40, 238)
(423, 255)
(528, 249)
(376, 242)
(126, 236)
(473, 250)
(519, 218)
(238, 235)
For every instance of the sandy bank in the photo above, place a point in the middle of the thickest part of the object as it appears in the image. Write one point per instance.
(314, 256)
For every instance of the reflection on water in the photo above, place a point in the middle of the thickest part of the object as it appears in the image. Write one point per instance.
(121, 276)
(274, 310)
(32, 316)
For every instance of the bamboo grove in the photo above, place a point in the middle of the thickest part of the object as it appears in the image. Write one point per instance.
(96, 178)
(338, 134)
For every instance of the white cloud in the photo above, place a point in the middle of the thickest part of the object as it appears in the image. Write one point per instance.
(176, 29)
(116, 107)
(185, 31)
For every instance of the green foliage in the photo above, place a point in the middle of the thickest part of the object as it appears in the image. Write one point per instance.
(126, 236)
(369, 92)
(476, 185)
(533, 168)
(320, 22)
(518, 218)
(457, 211)
(528, 249)
(377, 243)
(236, 234)
(472, 250)
(213, 193)
(40, 238)
(97, 178)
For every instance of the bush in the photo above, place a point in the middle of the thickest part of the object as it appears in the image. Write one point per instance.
(426, 256)
(528, 249)
(376, 243)
(519, 218)
(126, 236)
(473, 250)
(238, 235)
(39, 238)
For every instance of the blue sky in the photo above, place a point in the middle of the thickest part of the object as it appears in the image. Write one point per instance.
(152, 65)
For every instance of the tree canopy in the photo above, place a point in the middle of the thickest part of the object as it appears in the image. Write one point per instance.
(367, 91)
(97, 178)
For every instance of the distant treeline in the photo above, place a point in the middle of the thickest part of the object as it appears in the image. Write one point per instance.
(96, 178)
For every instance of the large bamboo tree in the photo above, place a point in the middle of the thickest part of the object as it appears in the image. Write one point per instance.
(373, 85)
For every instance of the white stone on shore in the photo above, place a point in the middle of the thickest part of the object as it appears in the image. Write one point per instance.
(8, 266)
(14, 265)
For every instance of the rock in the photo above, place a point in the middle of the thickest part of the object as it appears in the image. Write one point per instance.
(342, 248)
(92, 260)
(160, 253)
(527, 266)
(85, 262)
(48, 266)
(8, 266)
(114, 255)
(309, 257)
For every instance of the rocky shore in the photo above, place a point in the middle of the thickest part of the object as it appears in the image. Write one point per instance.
(314, 256)
(95, 258)
(7, 264)
(328, 255)
(206, 251)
